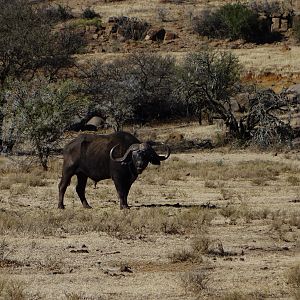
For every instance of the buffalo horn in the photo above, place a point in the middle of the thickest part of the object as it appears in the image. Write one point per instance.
(121, 159)
(164, 157)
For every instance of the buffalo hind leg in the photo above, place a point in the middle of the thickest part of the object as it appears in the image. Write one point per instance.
(80, 189)
(123, 190)
(62, 186)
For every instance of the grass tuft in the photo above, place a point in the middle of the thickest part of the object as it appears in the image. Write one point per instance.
(12, 290)
(293, 276)
(195, 281)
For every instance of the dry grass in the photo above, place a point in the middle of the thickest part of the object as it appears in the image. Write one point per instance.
(121, 224)
(184, 255)
(34, 178)
(195, 281)
(12, 290)
(270, 59)
(293, 276)
(297, 294)
(80, 296)
(164, 235)
(199, 245)
(236, 295)
(284, 225)
(177, 169)
(293, 180)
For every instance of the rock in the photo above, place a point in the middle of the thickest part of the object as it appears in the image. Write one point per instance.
(155, 34)
(96, 121)
(174, 137)
(113, 19)
(170, 36)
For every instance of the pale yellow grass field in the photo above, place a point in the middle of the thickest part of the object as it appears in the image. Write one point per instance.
(105, 253)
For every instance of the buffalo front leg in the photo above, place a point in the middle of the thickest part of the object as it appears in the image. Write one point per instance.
(62, 187)
(80, 189)
(123, 190)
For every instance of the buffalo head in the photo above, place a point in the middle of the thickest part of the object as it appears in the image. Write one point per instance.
(140, 155)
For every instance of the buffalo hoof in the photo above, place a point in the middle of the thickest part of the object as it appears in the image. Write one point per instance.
(124, 207)
(85, 205)
(61, 206)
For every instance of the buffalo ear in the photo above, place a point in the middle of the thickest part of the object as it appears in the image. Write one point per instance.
(155, 161)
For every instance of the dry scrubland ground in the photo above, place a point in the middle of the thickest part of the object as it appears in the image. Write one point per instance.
(213, 224)
(206, 224)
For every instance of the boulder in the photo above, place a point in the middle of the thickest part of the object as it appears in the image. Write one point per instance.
(96, 121)
(170, 36)
(155, 34)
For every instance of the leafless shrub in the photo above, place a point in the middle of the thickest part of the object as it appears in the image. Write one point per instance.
(200, 244)
(161, 14)
(131, 28)
(183, 255)
(89, 13)
(270, 7)
(136, 88)
(195, 281)
(263, 121)
(58, 12)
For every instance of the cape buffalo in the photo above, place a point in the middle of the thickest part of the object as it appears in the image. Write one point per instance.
(119, 156)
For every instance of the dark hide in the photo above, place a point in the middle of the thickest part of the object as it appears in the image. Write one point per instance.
(92, 156)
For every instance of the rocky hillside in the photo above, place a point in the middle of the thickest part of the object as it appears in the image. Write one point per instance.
(168, 30)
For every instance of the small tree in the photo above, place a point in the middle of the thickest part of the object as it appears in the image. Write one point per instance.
(154, 75)
(113, 90)
(38, 112)
(209, 79)
(137, 87)
(28, 43)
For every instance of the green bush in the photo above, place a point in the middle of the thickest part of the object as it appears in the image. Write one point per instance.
(38, 112)
(58, 13)
(234, 21)
(89, 13)
(79, 23)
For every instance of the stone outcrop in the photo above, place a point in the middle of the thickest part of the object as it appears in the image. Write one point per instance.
(159, 34)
